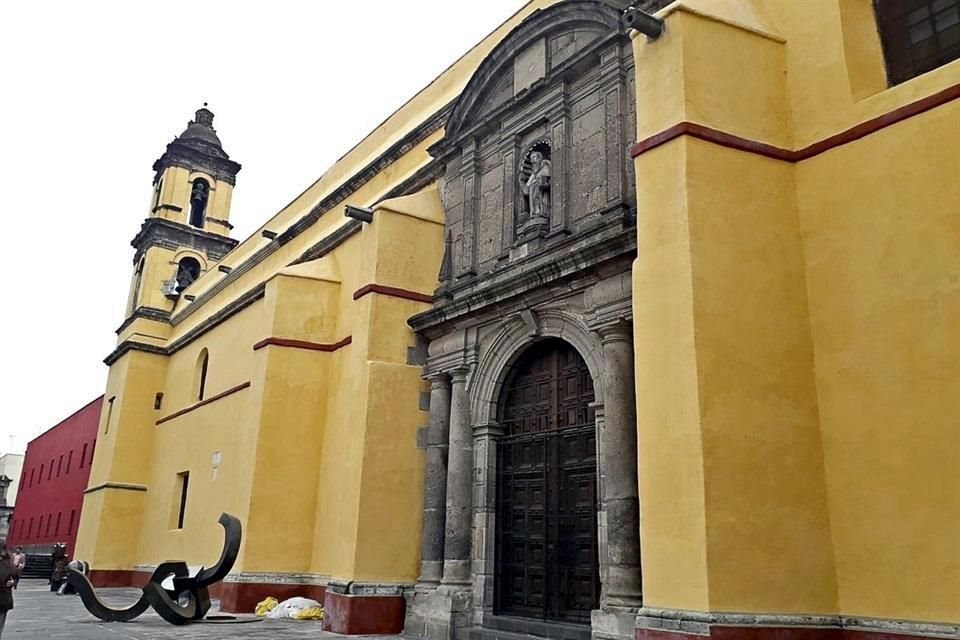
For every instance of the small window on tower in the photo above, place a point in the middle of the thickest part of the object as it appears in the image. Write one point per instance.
(137, 282)
(156, 194)
(199, 195)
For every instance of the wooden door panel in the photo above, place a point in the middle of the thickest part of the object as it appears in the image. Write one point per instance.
(546, 561)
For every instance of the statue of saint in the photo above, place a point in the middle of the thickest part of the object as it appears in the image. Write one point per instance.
(536, 188)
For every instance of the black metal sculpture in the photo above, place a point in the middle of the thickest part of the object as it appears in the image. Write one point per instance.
(192, 592)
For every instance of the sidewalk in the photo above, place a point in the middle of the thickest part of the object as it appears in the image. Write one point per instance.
(42, 615)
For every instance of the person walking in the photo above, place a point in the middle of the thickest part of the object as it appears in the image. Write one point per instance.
(6, 586)
(19, 561)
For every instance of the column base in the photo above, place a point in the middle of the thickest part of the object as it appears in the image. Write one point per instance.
(456, 574)
(431, 571)
(437, 614)
(614, 623)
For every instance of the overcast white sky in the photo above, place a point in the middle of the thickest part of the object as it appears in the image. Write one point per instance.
(90, 94)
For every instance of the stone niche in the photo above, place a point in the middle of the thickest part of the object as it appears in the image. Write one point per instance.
(536, 148)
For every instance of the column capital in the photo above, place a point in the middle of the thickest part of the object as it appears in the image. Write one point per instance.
(459, 375)
(618, 331)
(438, 380)
(492, 429)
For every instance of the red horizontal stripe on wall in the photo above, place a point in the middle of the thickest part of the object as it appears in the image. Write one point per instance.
(219, 396)
(715, 136)
(392, 291)
(302, 344)
(709, 134)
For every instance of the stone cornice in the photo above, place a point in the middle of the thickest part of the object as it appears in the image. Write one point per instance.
(127, 346)
(574, 254)
(229, 310)
(397, 150)
(120, 486)
(181, 155)
(173, 235)
(330, 242)
(147, 313)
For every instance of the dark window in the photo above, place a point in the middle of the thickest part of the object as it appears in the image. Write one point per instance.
(184, 483)
(49, 520)
(50, 470)
(917, 35)
(158, 401)
(137, 282)
(73, 515)
(156, 194)
(106, 424)
(40, 477)
(199, 195)
(69, 460)
(188, 270)
(60, 465)
(83, 455)
(56, 531)
(30, 528)
(31, 478)
(202, 364)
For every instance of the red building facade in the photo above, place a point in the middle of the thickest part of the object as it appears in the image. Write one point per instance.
(56, 468)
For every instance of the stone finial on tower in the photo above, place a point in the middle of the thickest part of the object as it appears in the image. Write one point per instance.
(204, 116)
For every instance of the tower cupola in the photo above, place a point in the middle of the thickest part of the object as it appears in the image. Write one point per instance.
(199, 148)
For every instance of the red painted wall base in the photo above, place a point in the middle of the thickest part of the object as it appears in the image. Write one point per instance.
(363, 615)
(242, 597)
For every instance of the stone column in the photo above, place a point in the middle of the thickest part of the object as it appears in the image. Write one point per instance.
(485, 439)
(456, 551)
(618, 442)
(435, 485)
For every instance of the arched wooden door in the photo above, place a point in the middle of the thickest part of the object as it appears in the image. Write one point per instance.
(546, 547)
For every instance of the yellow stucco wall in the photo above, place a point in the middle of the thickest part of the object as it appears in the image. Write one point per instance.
(807, 304)
(882, 246)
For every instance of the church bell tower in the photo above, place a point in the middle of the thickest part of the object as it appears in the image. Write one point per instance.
(188, 224)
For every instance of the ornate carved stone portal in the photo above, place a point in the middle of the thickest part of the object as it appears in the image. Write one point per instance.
(538, 533)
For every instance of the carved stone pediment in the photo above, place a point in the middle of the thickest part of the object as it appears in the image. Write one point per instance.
(535, 148)
(537, 48)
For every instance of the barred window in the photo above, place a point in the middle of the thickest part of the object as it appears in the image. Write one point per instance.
(917, 35)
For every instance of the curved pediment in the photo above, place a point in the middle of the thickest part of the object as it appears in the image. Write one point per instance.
(545, 42)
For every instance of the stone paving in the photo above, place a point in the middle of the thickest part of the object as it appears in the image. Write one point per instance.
(43, 615)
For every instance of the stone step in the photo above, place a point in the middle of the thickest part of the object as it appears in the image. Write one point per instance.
(508, 628)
